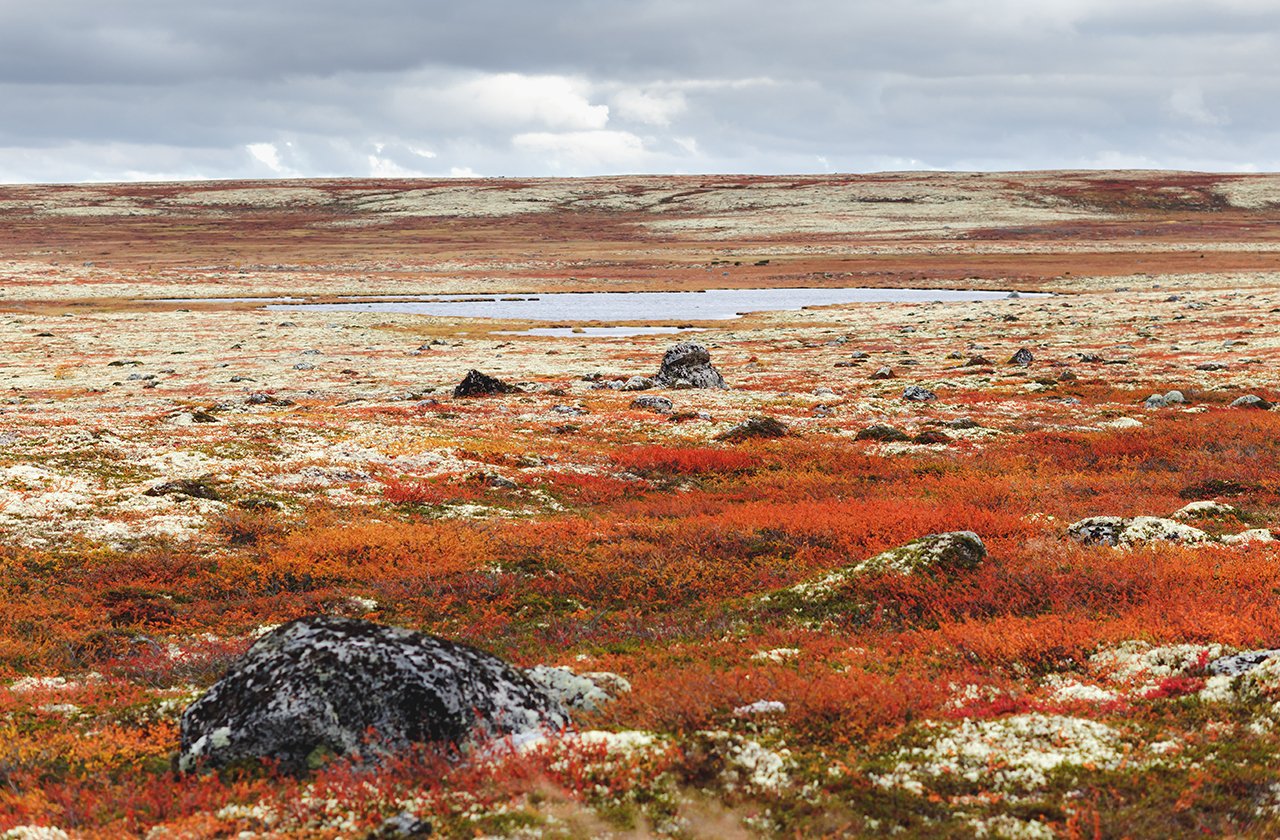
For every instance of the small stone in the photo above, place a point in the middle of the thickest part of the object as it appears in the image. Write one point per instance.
(931, 436)
(1210, 366)
(1022, 358)
(637, 383)
(918, 393)
(883, 373)
(978, 361)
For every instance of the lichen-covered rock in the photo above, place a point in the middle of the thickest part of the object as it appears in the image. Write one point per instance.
(918, 393)
(1251, 401)
(584, 692)
(934, 554)
(1206, 509)
(1022, 358)
(1128, 531)
(688, 365)
(655, 403)
(327, 684)
(882, 433)
(477, 384)
(754, 427)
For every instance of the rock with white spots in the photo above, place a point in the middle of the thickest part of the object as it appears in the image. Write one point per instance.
(327, 685)
(1135, 530)
(688, 365)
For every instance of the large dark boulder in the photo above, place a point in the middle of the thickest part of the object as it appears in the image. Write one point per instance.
(688, 365)
(327, 685)
(477, 384)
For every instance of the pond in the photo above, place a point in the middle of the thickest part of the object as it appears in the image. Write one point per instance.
(618, 307)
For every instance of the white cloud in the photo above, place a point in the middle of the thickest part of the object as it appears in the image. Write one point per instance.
(581, 152)
(267, 154)
(513, 99)
(649, 107)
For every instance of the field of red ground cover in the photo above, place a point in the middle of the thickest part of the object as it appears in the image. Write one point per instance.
(178, 478)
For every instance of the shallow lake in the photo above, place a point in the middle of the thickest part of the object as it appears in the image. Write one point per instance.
(615, 307)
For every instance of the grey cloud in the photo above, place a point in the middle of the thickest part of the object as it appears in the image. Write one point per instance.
(139, 88)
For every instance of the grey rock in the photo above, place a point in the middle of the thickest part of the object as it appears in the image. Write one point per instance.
(403, 826)
(688, 365)
(883, 373)
(1211, 366)
(637, 383)
(654, 403)
(1241, 663)
(883, 433)
(754, 427)
(1022, 358)
(918, 393)
(323, 684)
(1135, 530)
(1251, 401)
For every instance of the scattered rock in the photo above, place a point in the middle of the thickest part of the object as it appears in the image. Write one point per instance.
(882, 373)
(585, 692)
(1241, 663)
(1204, 510)
(195, 488)
(1022, 358)
(1165, 400)
(1128, 531)
(637, 383)
(688, 365)
(978, 361)
(202, 416)
(654, 403)
(1250, 536)
(1211, 366)
(918, 393)
(477, 384)
(754, 427)
(882, 433)
(929, 436)
(1251, 401)
(321, 685)
(403, 826)
(933, 554)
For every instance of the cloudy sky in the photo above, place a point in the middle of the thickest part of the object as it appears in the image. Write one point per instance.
(165, 89)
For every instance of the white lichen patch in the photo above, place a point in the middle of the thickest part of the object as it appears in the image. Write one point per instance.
(1067, 690)
(1014, 753)
(585, 692)
(1141, 662)
(776, 654)
(1006, 827)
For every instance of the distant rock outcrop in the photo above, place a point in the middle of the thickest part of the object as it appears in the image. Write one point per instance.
(325, 685)
(688, 365)
(477, 384)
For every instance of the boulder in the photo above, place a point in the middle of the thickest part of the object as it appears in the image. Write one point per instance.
(654, 403)
(1129, 531)
(934, 554)
(918, 393)
(754, 427)
(326, 685)
(477, 384)
(688, 365)
(1251, 401)
(882, 433)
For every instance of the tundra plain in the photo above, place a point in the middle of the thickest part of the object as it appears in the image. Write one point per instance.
(181, 470)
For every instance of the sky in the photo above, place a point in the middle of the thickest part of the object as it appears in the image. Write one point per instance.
(120, 90)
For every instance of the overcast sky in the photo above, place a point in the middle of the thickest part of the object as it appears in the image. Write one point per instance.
(184, 89)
